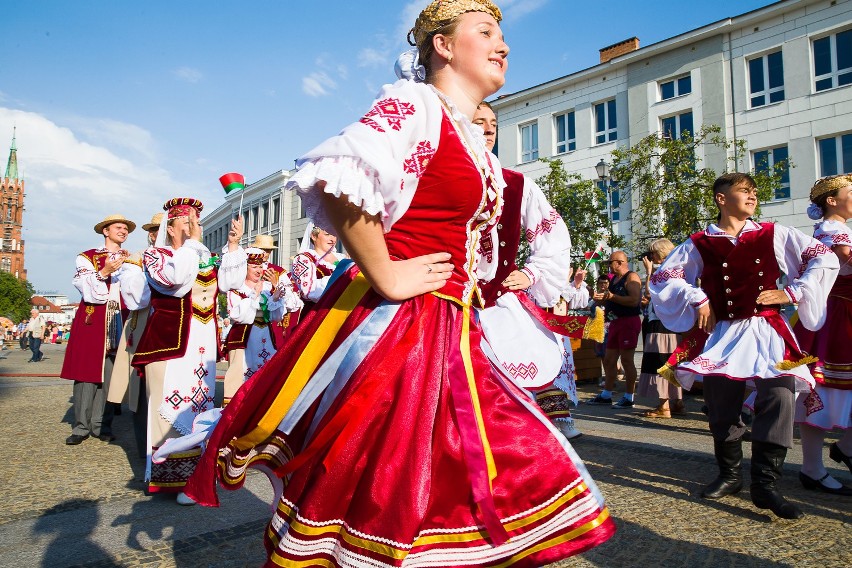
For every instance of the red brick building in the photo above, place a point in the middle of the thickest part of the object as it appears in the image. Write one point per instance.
(12, 217)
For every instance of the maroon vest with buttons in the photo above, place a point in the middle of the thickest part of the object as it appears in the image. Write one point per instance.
(734, 275)
(508, 237)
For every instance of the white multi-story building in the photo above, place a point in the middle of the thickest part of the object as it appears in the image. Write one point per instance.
(267, 209)
(779, 78)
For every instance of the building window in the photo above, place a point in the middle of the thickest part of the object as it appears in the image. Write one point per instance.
(255, 217)
(566, 134)
(301, 207)
(529, 142)
(765, 161)
(673, 127)
(833, 61)
(276, 211)
(676, 88)
(6, 265)
(615, 201)
(766, 79)
(606, 125)
(264, 215)
(835, 155)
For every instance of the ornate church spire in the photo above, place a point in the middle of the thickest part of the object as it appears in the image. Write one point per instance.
(12, 164)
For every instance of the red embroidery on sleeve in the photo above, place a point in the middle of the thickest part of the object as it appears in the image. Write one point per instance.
(393, 111)
(661, 276)
(545, 226)
(419, 159)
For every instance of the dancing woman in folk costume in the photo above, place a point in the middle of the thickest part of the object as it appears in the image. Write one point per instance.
(829, 406)
(178, 350)
(391, 439)
(523, 339)
(315, 263)
(254, 308)
(739, 262)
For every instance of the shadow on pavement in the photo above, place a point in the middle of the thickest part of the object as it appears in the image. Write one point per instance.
(667, 552)
(76, 534)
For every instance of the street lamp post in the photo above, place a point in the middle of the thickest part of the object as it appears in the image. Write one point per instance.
(602, 169)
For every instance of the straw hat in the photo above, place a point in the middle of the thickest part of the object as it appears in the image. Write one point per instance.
(264, 242)
(131, 226)
(155, 222)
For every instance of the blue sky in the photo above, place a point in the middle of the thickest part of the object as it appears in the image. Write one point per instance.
(121, 105)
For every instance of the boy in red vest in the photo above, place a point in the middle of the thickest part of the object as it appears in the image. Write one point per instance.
(741, 337)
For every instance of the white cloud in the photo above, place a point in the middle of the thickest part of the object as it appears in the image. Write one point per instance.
(188, 74)
(74, 178)
(369, 57)
(318, 84)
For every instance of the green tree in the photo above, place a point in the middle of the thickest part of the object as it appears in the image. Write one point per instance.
(15, 297)
(671, 184)
(582, 205)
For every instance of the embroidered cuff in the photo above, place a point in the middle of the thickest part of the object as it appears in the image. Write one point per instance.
(100, 277)
(791, 293)
(530, 274)
(701, 303)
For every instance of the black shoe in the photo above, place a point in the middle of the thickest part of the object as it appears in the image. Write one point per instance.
(600, 400)
(816, 484)
(75, 439)
(837, 455)
(729, 457)
(106, 437)
(767, 464)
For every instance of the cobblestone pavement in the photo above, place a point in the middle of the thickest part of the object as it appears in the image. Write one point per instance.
(84, 505)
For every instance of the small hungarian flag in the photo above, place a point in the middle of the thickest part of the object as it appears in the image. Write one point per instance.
(232, 182)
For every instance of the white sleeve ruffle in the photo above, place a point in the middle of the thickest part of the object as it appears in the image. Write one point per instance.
(377, 161)
(550, 246)
(675, 296)
(811, 268)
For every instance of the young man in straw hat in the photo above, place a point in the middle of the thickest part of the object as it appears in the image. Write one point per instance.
(109, 287)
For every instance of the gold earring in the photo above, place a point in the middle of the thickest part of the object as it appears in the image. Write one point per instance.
(450, 59)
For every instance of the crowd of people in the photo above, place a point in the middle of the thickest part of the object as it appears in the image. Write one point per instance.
(410, 403)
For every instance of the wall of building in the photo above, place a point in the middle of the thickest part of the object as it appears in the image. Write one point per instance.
(716, 59)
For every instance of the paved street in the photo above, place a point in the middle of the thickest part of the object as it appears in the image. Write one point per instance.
(84, 505)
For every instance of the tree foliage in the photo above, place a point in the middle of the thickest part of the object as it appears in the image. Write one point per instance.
(670, 185)
(15, 297)
(581, 204)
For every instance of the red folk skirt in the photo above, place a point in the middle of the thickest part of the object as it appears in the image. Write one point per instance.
(427, 455)
(830, 343)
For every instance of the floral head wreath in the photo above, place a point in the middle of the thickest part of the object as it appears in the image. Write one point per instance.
(441, 12)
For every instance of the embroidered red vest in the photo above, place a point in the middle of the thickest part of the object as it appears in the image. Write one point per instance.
(508, 237)
(84, 356)
(734, 275)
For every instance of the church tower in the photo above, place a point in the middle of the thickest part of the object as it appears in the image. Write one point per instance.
(12, 217)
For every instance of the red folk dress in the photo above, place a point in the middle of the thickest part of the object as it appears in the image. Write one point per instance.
(410, 448)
